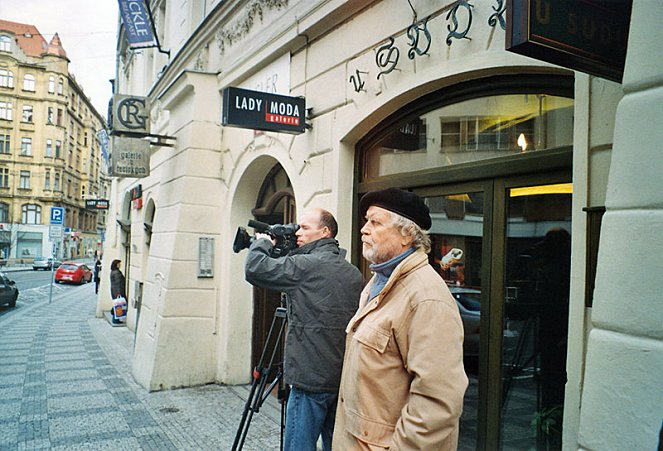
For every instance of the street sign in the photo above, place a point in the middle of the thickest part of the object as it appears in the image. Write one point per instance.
(57, 215)
(55, 232)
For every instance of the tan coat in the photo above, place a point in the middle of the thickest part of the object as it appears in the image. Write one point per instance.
(403, 379)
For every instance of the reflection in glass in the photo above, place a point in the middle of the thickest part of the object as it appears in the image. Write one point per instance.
(456, 246)
(538, 251)
(473, 130)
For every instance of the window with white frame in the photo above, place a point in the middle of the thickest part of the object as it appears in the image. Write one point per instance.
(26, 146)
(5, 143)
(24, 181)
(51, 84)
(5, 43)
(58, 148)
(27, 113)
(6, 78)
(31, 214)
(6, 110)
(60, 86)
(4, 177)
(49, 116)
(29, 82)
(47, 180)
(49, 148)
(56, 181)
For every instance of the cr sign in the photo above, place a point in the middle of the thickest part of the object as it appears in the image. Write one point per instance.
(57, 215)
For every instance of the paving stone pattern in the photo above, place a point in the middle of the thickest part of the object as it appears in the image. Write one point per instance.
(66, 384)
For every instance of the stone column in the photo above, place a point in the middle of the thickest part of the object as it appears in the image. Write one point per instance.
(622, 400)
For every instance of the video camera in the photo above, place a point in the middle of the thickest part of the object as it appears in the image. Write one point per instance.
(284, 235)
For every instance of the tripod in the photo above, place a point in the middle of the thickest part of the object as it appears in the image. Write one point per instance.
(260, 391)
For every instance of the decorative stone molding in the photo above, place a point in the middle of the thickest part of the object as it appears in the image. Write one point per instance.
(240, 28)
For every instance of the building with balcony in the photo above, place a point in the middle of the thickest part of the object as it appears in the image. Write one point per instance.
(547, 177)
(49, 153)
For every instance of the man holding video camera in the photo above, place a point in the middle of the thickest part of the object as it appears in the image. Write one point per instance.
(322, 291)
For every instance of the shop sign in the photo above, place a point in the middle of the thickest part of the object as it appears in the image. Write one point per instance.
(130, 157)
(96, 204)
(131, 114)
(137, 22)
(584, 35)
(263, 111)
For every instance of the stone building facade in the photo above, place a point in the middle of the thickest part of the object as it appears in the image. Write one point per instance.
(545, 177)
(49, 153)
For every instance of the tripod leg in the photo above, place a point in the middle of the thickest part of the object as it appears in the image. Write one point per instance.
(260, 375)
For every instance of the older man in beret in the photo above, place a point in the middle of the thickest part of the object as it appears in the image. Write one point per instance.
(403, 379)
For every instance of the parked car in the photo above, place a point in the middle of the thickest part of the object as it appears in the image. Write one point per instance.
(73, 272)
(45, 263)
(469, 304)
(8, 291)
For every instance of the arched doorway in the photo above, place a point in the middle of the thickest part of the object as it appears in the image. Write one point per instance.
(275, 205)
(492, 159)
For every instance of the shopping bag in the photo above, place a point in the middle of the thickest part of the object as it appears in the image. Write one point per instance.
(119, 308)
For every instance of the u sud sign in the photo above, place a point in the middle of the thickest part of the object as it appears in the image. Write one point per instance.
(257, 110)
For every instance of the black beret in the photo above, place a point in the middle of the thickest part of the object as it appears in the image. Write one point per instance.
(404, 203)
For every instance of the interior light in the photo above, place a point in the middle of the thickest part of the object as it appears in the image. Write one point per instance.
(522, 142)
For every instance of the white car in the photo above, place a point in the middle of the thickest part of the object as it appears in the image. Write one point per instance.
(45, 263)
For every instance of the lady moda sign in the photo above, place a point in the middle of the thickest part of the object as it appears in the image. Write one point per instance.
(263, 111)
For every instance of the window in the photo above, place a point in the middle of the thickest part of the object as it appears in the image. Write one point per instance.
(5, 43)
(6, 78)
(60, 86)
(472, 130)
(31, 214)
(6, 110)
(56, 182)
(49, 148)
(4, 212)
(26, 146)
(29, 82)
(27, 113)
(84, 165)
(4, 177)
(49, 117)
(47, 180)
(58, 148)
(5, 143)
(25, 180)
(58, 120)
(51, 84)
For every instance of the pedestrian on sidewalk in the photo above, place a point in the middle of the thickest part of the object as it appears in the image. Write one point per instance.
(117, 282)
(97, 275)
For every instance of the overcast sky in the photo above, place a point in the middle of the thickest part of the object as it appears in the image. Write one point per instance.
(87, 29)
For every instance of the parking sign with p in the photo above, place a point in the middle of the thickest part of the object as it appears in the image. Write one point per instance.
(57, 215)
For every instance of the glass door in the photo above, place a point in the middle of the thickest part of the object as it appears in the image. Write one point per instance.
(535, 315)
(502, 247)
(457, 253)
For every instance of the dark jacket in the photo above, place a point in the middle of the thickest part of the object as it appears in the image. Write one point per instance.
(322, 291)
(97, 271)
(117, 284)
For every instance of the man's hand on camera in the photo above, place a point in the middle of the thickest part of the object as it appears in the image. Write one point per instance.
(266, 237)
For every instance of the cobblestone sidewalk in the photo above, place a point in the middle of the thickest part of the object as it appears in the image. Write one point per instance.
(65, 384)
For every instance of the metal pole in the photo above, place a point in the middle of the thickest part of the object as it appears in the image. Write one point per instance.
(50, 292)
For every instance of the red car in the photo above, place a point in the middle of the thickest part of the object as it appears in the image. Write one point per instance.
(73, 272)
